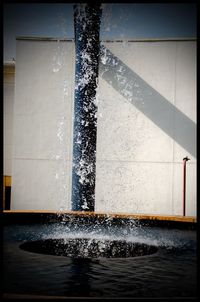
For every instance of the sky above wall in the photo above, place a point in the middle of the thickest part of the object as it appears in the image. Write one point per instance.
(119, 21)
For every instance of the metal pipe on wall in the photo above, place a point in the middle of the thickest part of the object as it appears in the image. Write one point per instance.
(185, 159)
(87, 46)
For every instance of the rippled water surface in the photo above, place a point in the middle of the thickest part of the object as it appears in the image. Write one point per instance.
(170, 272)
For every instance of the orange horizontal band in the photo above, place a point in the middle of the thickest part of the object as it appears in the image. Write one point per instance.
(113, 215)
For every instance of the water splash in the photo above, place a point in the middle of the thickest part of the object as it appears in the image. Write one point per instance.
(129, 230)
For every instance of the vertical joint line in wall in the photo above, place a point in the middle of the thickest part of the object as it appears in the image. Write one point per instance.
(72, 83)
(173, 125)
(13, 129)
(14, 115)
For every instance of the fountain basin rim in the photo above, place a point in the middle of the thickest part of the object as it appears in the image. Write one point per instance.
(177, 218)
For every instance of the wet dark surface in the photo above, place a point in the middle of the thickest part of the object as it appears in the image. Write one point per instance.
(169, 272)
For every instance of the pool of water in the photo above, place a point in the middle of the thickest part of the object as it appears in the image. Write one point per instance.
(170, 271)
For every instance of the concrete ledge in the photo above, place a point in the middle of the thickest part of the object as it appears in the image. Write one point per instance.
(28, 297)
(107, 215)
(60, 39)
(90, 218)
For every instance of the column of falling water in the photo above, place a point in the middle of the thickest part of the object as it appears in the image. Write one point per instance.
(87, 25)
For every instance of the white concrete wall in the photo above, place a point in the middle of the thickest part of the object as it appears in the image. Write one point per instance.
(8, 104)
(146, 125)
(139, 167)
(42, 131)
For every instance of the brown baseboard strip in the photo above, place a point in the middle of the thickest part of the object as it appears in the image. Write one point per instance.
(30, 217)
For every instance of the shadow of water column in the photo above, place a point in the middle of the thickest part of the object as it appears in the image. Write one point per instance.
(148, 100)
(86, 25)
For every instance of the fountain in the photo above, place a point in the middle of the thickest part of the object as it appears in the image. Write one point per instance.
(83, 253)
(97, 256)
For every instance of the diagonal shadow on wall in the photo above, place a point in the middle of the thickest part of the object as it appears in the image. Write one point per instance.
(146, 99)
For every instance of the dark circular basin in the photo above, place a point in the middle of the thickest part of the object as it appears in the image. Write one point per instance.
(89, 248)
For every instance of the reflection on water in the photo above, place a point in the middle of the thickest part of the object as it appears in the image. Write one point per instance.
(79, 282)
